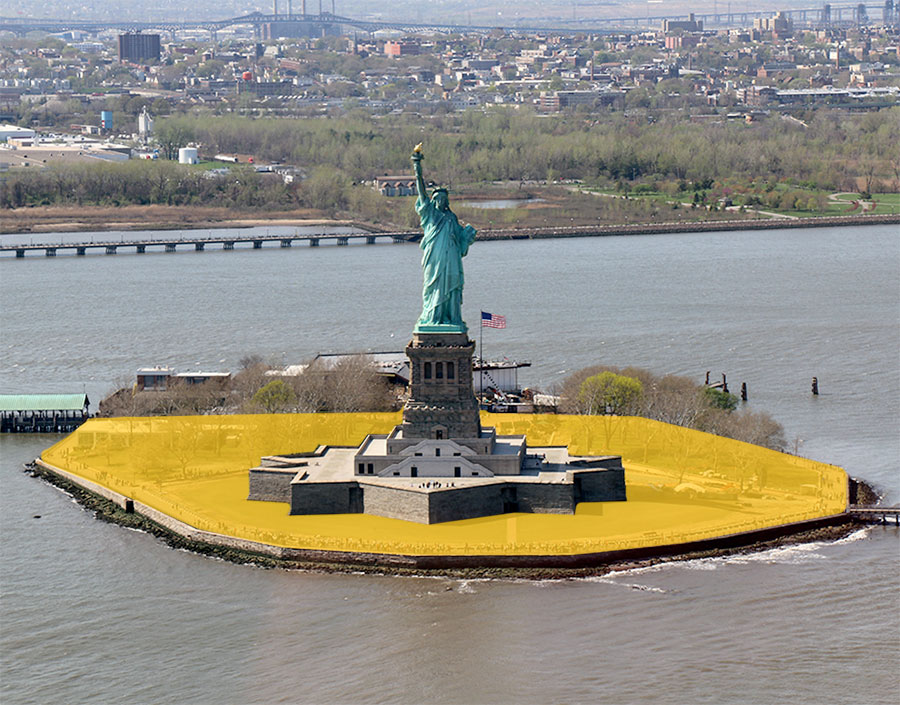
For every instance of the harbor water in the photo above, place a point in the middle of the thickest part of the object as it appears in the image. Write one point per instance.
(92, 612)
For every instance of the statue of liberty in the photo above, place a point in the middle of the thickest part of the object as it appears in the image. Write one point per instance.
(445, 242)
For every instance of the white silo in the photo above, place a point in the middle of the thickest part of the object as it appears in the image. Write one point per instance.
(187, 155)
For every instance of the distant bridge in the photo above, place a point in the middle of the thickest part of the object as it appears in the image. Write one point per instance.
(835, 14)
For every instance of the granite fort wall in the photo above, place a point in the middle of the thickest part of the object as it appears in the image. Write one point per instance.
(600, 486)
(466, 503)
(556, 498)
(449, 504)
(324, 498)
(396, 503)
(271, 485)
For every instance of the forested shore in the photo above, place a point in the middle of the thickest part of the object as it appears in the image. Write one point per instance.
(670, 168)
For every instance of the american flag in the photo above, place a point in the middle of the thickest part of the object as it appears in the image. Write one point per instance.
(490, 320)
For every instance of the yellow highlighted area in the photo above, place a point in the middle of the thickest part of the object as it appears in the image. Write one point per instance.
(683, 485)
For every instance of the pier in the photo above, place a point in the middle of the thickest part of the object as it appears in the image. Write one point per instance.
(876, 515)
(42, 413)
(199, 243)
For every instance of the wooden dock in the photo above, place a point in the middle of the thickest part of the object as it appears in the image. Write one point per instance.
(876, 515)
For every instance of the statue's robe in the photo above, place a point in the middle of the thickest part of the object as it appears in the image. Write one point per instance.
(445, 242)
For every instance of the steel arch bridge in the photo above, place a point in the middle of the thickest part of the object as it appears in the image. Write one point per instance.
(834, 13)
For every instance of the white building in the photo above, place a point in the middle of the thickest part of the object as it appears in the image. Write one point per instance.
(145, 124)
(16, 132)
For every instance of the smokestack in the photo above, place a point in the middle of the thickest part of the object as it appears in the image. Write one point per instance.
(290, 8)
(303, 7)
(275, 7)
(332, 8)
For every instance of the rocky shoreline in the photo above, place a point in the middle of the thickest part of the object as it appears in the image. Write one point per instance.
(104, 509)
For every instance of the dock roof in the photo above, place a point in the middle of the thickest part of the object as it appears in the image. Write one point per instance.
(43, 402)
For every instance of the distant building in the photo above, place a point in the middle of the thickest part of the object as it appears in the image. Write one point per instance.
(401, 48)
(159, 379)
(14, 132)
(554, 101)
(153, 378)
(778, 24)
(139, 47)
(681, 41)
(688, 25)
(404, 185)
(145, 124)
(192, 378)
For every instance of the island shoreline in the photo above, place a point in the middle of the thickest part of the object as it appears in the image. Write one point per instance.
(111, 507)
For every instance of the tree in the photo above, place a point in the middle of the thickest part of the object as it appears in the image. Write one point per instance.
(275, 396)
(350, 384)
(720, 399)
(609, 393)
(671, 399)
(172, 135)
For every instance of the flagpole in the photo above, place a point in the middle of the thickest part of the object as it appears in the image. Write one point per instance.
(481, 352)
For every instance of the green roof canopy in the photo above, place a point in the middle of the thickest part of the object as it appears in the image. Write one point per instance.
(43, 402)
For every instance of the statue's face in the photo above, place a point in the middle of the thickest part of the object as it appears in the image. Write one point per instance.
(441, 201)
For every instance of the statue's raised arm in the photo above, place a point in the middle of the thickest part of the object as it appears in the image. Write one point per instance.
(417, 166)
(444, 243)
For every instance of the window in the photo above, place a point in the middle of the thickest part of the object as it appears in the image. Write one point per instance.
(439, 370)
(427, 370)
(457, 471)
(456, 454)
(397, 472)
(371, 468)
(439, 435)
(414, 471)
(474, 472)
(418, 455)
(362, 468)
(437, 452)
(450, 370)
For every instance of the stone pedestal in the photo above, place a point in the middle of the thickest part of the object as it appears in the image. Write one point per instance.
(442, 402)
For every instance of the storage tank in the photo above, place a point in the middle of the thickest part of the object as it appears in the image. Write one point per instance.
(106, 119)
(187, 155)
